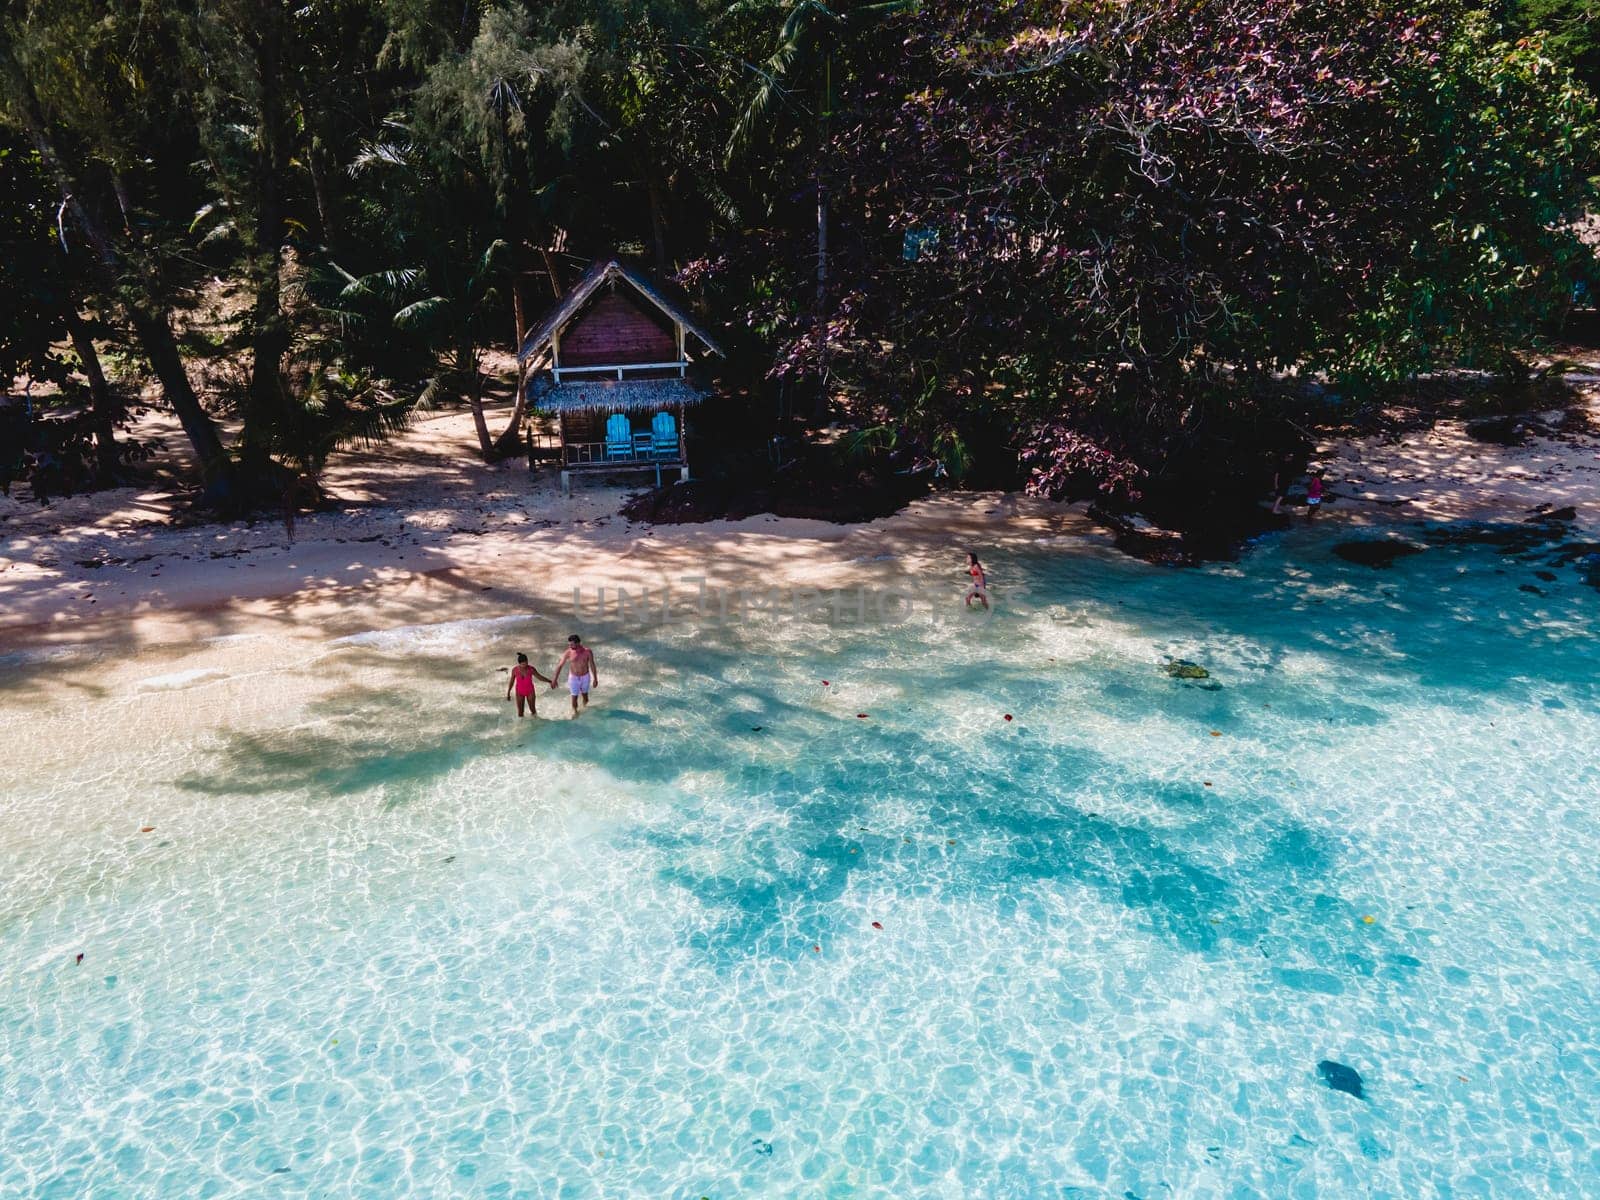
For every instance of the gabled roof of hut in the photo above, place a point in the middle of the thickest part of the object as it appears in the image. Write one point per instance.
(670, 300)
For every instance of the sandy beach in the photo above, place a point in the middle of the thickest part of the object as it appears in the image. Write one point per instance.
(423, 530)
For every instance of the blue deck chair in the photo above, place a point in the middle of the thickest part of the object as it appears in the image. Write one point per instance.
(619, 436)
(664, 435)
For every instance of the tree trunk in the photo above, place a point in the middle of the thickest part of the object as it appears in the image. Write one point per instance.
(822, 249)
(519, 315)
(321, 194)
(822, 240)
(270, 336)
(550, 269)
(102, 406)
(475, 399)
(155, 334)
(510, 442)
(148, 316)
(658, 220)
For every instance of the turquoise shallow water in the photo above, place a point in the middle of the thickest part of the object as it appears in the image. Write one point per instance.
(384, 941)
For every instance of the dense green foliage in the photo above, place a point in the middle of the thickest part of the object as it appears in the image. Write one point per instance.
(1076, 229)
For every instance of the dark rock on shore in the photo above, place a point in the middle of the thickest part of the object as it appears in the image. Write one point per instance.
(1372, 553)
(1519, 538)
(1545, 513)
(1501, 431)
(847, 500)
(1341, 1078)
(1585, 556)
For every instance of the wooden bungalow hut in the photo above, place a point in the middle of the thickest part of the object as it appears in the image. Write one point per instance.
(618, 377)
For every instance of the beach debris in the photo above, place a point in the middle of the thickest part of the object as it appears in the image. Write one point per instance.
(1207, 782)
(762, 1147)
(1182, 668)
(949, 841)
(877, 924)
(861, 716)
(824, 683)
(147, 829)
(757, 728)
(816, 949)
(1341, 1078)
(79, 959)
(1216, 733)
(1008, 716)
(1368, 919)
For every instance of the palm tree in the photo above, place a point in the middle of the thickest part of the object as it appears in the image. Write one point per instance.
(448, 309)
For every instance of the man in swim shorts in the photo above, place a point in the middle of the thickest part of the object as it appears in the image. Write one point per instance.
(581, 672)
(522, 677)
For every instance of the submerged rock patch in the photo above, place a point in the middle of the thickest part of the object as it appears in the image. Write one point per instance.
(1376, 554)
(1341, 1078)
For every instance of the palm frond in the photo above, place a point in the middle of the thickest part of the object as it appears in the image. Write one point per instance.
(443, 386)
(375, 156)
(368, 426)
(221, 231)
(422, 313)
(205, 212)
(391, 285)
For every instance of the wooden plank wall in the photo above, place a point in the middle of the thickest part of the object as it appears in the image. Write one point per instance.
(618, 328)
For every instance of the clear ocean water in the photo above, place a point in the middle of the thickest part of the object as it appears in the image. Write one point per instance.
(723, 937)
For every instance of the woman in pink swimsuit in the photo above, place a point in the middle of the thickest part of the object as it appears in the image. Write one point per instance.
(521, 681)
(979, 590)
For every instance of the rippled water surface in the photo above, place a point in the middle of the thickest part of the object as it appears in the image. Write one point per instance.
(723, 937)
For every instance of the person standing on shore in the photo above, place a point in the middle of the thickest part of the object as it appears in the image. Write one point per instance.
(582, 674)
(1314, 494)
(521, 681)
(979, 590)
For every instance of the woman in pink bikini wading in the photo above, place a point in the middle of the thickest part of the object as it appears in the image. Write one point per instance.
(521, 682)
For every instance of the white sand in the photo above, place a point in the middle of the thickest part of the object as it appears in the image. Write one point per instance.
(427, 532)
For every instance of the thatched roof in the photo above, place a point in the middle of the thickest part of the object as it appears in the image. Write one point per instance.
(669, 300)
(611, 395)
